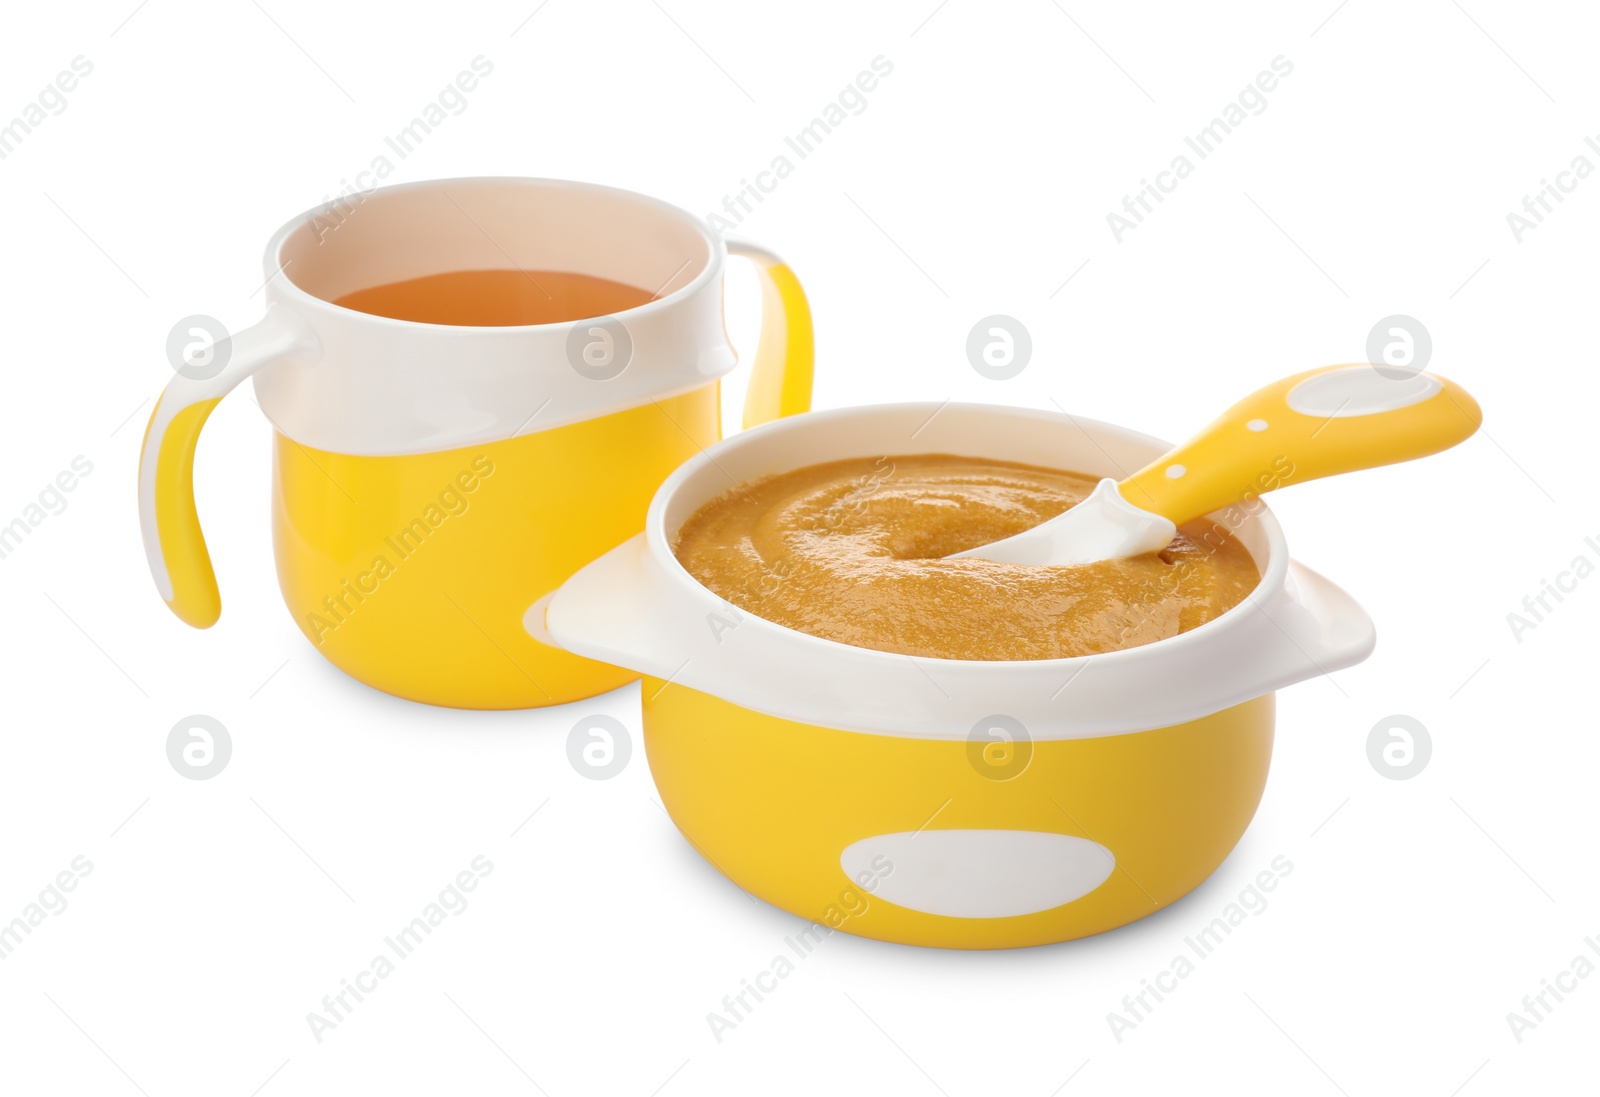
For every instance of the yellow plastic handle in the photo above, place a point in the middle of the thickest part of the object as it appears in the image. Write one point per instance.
(780, 380)
(173, 541)
(1320, 423)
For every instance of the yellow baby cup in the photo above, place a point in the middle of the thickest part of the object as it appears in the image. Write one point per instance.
(963, 804)
(431, 482)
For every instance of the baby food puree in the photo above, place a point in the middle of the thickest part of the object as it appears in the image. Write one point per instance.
(852, 551)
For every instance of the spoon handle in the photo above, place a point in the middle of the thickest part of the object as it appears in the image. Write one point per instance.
(1319, 423)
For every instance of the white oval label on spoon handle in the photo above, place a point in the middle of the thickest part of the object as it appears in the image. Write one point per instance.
(1359, 390)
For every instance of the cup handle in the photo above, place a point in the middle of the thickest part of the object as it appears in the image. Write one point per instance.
(173, 541)
(780, 381)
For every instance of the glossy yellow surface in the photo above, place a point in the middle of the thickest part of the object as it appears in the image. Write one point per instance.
(413, 573)
(773, 803)
(183, 546)
(780, 380)
(1232, 462)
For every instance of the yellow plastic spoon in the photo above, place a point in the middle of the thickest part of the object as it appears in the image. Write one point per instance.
(1320, 423)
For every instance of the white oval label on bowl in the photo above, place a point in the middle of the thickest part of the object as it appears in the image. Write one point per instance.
(980, 873)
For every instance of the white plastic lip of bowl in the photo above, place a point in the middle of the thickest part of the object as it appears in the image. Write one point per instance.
(637, 607)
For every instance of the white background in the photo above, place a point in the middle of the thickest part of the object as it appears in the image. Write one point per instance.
(1377, 181)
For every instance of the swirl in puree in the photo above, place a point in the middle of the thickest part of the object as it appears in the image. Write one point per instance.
(852, 551)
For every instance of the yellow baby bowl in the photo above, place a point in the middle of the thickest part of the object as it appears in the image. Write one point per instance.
(960, 804)
(432, 481)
